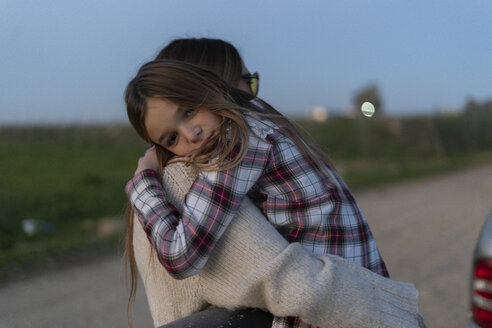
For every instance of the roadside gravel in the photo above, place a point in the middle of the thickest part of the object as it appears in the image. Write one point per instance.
(426, 231)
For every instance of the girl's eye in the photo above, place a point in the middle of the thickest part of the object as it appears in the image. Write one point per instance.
(172, 140)
(189, 112)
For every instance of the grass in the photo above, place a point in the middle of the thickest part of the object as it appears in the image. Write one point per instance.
(73, 177)
(375, 152)
(69, 177)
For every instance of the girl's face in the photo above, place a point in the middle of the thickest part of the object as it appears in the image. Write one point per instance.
(179, 130)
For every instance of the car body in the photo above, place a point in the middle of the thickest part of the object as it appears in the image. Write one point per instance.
(481, 280)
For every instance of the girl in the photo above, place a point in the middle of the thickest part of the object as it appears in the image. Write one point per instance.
(190, 112)
(224, 59)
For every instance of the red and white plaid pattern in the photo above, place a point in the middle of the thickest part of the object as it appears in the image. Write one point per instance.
(306, 204)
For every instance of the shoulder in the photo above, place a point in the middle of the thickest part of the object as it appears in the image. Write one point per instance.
(260, 127)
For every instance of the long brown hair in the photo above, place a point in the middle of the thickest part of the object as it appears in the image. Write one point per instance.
(216, 55)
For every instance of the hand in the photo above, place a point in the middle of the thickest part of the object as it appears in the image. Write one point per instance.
(148, 161)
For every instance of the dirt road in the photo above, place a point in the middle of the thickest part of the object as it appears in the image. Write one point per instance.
(425, 230)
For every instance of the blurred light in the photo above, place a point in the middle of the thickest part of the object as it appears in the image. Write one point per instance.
(368, 109)
(29, 227)
(319, 114)
(33, 226)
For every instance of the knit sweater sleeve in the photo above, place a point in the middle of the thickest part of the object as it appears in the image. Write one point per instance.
(254, 266)
(183, 241)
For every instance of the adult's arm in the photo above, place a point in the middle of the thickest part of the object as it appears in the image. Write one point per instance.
(254, 266)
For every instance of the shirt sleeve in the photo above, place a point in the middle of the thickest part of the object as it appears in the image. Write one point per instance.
(183, 242)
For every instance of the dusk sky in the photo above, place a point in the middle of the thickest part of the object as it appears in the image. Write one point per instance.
(69, 61)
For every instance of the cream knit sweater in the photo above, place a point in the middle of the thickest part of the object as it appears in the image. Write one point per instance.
(254, 266)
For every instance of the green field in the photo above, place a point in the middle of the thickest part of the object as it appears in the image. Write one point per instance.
(373, 152)
(72, 178)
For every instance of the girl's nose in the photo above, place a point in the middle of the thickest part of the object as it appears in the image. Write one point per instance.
(192, 133)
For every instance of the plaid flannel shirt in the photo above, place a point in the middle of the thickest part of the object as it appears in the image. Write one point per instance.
(306, 204)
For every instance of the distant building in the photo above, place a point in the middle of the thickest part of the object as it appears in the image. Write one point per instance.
(450, 111)
(318, 114)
